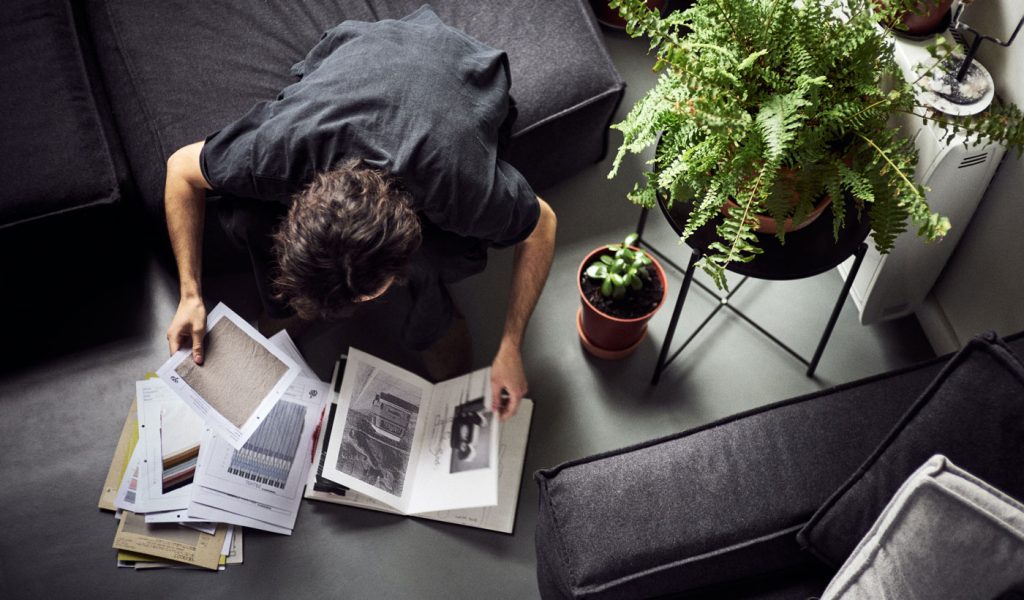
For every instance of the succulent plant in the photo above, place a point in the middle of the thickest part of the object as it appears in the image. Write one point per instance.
(623, 269)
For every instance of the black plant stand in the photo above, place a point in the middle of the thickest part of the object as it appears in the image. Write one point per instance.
(807, 252)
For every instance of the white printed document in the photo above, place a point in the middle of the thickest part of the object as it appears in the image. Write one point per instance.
(261, 484)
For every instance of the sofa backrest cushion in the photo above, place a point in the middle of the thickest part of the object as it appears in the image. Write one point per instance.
(973, 413)
(53, 153)
(178, 71)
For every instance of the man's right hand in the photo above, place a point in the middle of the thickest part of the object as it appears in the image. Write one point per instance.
(185, 207)
(188, 327)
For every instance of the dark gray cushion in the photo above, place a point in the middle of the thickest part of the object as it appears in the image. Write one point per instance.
(714, 504)
(180, 70)
(53, 153)
(973, 413)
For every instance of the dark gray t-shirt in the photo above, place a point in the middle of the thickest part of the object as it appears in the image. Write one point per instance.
(413, 96)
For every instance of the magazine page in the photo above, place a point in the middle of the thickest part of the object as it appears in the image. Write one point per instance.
(378, 419)
(458, 464)
(501, 516)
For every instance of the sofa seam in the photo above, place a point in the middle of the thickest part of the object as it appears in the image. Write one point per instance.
(566, 111)
(108, 155)
(747, 413)
(563, 551)
(113, 197)
(872, 458)
(600, 587)
(987, 343)
(130, 71)
(595, 31)
(617, 88)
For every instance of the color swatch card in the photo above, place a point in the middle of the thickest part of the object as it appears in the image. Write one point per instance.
(153, 396)
(240, 381)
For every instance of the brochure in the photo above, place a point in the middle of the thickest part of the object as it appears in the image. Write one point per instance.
(398, 443)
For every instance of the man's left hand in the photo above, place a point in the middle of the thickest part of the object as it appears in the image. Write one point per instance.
(507, 374)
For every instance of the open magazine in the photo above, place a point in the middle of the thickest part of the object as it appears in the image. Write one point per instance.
(396, 442)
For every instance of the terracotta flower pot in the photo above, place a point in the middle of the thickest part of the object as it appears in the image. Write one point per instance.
(930, 22)
(767, 224)
(932, 19)
(610, 17)
(607, 336)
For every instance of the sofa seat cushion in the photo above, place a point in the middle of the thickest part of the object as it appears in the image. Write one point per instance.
(713, 504)
(973, 413)
(53, 153)
(178, 71)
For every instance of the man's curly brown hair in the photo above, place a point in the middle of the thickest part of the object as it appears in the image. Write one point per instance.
(349, 233)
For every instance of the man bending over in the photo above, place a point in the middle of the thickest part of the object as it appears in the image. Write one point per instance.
(381, 166)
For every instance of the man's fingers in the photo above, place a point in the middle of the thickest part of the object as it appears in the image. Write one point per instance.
(496, 396)
(197, 346)
(510, 408)
(505, 401)
(176, 338)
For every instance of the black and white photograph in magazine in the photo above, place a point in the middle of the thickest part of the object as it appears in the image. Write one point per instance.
(377, 438)
(471, 436)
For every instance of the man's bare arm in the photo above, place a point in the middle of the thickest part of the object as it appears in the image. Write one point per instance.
(531, 265)
(185, 209)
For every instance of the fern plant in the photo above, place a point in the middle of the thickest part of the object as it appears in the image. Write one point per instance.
(750, 89)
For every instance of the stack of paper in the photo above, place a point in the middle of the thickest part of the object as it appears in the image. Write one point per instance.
(209, 449)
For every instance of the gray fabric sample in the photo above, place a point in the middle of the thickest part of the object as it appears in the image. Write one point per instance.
(945, 534)
(237, 372)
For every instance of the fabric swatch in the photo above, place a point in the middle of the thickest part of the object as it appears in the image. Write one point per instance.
(237, 372)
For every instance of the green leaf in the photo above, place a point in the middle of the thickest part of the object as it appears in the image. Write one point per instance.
(749, 60)
(606, 288)
(631, 239)
(616, 279)
(607, 259)
(597, 271)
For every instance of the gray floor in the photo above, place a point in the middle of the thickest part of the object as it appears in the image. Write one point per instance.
(61, 413)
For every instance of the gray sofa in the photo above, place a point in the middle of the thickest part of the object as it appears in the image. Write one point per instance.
(768, 503)
(98, 93)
